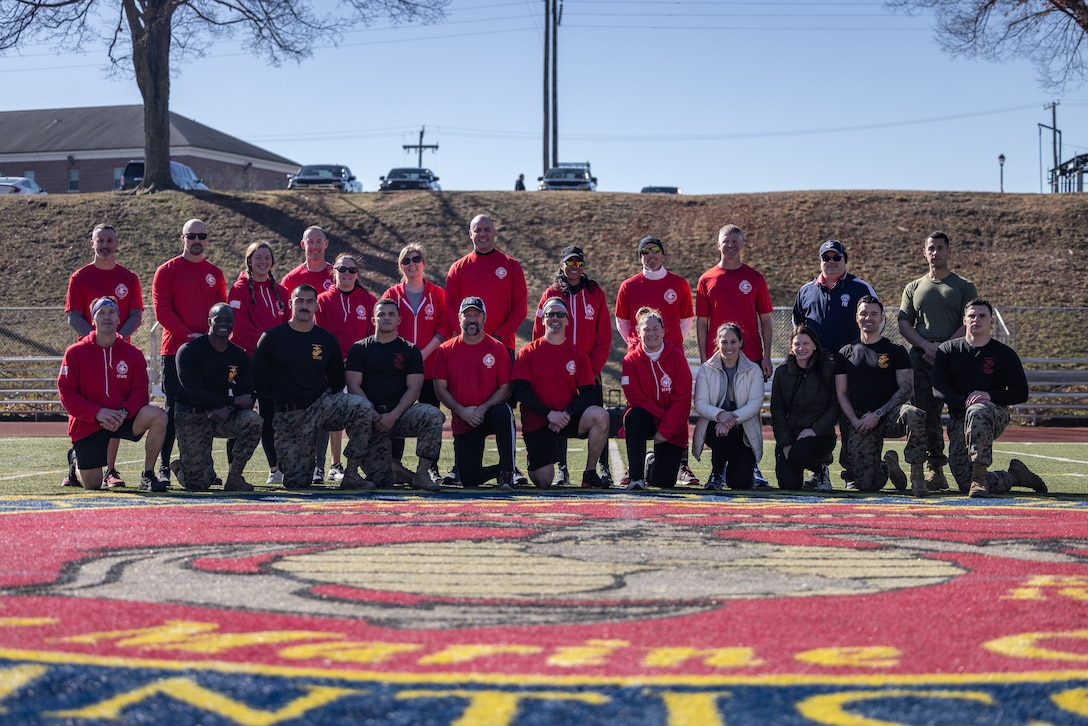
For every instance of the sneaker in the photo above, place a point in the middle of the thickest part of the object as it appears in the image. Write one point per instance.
(848, 486)
(633, 485)
(562, 477)
(686, 478)
(760, 480)
(112, 480)
(824, 485)
(714, 483)
(626, 479)
(164, 473)
(590, 480)
(72, 480)
(520, 480)
(648, 464)
(453, 478)
(275, 477)
(354, 481)
(895, 472)
(1025, 477)
(422, 480)
(812, 481)
(506, 480)
(236, 483)
(336, 472)
(151, 483)
(606, 476)
(319, 475)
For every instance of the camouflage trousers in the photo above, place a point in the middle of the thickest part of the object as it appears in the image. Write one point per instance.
(865, 449)
(195, 431)
(297, 433)
(925, 400)
(421, 420)
(971, 441)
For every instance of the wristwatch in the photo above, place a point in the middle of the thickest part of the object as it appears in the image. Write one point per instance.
(879, 413)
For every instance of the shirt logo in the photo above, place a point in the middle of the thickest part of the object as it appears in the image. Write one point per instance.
(121, 291)
(236, 304)
(670, 296)
(745, 286)
(570, 367)
(360, 312)
(327, 285)
(883, 360)
(666, 383)
(429, 310)
(398, 362)
(500, 272)
(232, 374)
(316, 352)
(489, 361)
(989, 365)
(122, 369)
(210, 279)
(590, 312)
(845, 300)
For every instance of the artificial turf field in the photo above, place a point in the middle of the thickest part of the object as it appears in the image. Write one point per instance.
(481, 607)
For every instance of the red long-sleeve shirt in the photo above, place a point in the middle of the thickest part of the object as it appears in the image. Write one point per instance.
(499, 280)
(662, 388)
(182, 293)
(93, 377)
(590, 326)
(257, 313)
(349, 316)
(420, 325)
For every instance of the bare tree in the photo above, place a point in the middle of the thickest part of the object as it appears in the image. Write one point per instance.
(1050, 33)
(143, 36)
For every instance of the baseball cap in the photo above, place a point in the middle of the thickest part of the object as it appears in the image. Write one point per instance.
(553, 303)
(649, 241)
(473, 302)
(832, 245)
(572, 251)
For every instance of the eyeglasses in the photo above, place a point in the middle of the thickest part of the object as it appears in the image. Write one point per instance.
(347, 270)
(195, 235)
(650, 251)
(575, 263)
(832, 258)
(413, 260)
(555, 314)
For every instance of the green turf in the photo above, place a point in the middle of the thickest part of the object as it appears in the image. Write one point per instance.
(35, 466)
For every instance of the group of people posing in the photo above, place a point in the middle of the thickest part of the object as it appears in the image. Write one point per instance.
(299, 364)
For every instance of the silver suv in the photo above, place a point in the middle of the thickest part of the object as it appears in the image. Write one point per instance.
(568, 176)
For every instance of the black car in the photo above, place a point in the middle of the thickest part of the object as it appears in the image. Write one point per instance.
(660, 190)
(324, 176)
(409, 178)
(572, 176)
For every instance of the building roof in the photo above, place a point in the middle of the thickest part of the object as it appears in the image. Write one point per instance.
(103, 128)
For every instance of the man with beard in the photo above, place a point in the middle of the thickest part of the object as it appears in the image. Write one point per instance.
(472, 378)
(182, 292)
(103, 277)
(216, 400)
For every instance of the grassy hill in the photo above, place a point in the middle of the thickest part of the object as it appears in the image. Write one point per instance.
(1019, 249)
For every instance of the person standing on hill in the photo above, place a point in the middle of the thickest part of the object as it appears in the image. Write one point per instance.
(182, 292)
(930, 313)
(101, 278)
(494, 276)
(657, 288)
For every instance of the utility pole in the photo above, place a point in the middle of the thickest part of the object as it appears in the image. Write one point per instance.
(421, 146)
(547, 102)
(1054, 135)
(557, 11)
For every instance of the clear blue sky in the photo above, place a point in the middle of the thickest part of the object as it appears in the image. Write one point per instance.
(713, 97)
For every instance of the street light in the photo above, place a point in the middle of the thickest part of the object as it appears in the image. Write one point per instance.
(1001, 166)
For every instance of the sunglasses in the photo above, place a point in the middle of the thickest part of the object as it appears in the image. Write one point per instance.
(413, 260)
(347, 270)
(555, 314)
(575, 263)
(832, 258)
(195, 235)
(650, 251)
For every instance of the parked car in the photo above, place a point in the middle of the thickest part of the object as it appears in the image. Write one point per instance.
(324, 176)
(568, 176)
(409, 178)
(184, 177)
(20, 185)
(660, 190)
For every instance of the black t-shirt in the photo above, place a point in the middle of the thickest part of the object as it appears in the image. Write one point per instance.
(870, 371)
(209, 378)
(296, 368)
(385, 368)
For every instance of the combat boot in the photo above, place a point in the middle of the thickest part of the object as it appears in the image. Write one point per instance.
(935, 479)
(353, 480)
(236, 483)
(1025, 477)
(918, 486)
(979, 488)
(422, 478)
(895, 472)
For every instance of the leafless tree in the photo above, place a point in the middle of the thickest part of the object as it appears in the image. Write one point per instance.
(1050, 33)
(144, 36)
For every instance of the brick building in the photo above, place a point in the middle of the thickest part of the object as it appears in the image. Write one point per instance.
(71, 150)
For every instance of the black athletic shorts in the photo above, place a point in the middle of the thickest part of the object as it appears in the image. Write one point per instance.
(91, 450)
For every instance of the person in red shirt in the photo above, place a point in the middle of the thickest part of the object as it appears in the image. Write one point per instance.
(344, 310)
(104, 277)
(182, 292)
(657, 288)
(656, 381)
(494, 276)
(472, 378)
(553, 381)
(423, 321)
(259, 304)
(104, 388)
(314, 270)
(590, 331)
